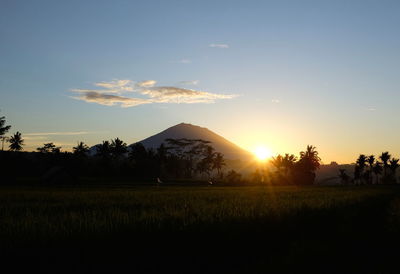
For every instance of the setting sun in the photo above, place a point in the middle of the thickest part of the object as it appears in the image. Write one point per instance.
(262, 153)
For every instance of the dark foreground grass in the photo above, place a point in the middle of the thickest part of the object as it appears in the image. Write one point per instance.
(200, 229)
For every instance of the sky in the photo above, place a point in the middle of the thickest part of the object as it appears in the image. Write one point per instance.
(283, 74)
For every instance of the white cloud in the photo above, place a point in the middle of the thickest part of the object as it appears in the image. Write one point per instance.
(221, 46)
(151, 93)
(190, 82)
(275, 101)
(147, 83)
(113, 84)
(181, 95)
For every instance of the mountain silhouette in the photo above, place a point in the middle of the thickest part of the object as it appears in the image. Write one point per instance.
(189, 131)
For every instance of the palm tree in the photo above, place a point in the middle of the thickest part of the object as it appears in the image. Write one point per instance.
(118, 147)
(307, 165)
(81, 149)
(104, 149)
(277, 162)
(385, 157)
(205, 165)
(288, 162)
(3, 130)
(361, 164)
(377, 170)
(218, 162)
(310, 158)
(371, 161)
(16, 142)
(393, 166)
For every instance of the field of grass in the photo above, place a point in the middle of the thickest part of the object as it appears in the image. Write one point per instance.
(201, 229)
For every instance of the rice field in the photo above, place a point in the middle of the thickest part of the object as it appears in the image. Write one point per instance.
(249, 229)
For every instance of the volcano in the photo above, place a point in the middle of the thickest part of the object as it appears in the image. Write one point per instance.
(230, 150)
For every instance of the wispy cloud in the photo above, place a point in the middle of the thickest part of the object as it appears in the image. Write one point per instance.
(147, 83)
(148, 94)
(113, 84)
(58, 133)
(182, 61)
(185, 61)
(115, 87)
(275, 101)
(181, 95)
(110, 100)
(221, 46)
(190, 82)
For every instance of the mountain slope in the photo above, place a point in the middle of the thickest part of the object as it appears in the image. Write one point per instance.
(183, 130)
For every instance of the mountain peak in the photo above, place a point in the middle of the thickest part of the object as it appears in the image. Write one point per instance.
(190, 131)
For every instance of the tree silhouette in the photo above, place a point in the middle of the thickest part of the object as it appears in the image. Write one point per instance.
(360, 165)
(385, 157)
(81, 149)
(103, 150)
(118, 148)
(16, 142)
(49, 148)
(206, 164)
(288, 164)
(393, 166)
(308, 163)
(371, 161)
(218, 163)
(277, 162)
(3, 130)
(285, 166)
(377, 170)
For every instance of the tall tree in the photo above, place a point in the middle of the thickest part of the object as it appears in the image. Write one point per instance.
(218, 163)
(81, 149)
(288, 163)
(371, 161)
(16, 142)
(308, 163)
(206, 163)
(277, 162)
(3, 130)
(361, 164)
(118, 147)
(377, 170)
(385, 157)
(393, 166)
(103, 150)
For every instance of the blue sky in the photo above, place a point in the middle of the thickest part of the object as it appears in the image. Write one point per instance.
(282, 74)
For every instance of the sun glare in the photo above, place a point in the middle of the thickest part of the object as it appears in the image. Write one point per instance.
(262, 153)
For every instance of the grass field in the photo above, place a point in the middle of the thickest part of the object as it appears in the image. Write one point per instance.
(201, 229)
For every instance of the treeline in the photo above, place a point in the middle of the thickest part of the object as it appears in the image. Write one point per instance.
(370, 170)
(176, 159)
(290, 169)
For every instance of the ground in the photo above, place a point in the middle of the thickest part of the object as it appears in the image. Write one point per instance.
(200, 229)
